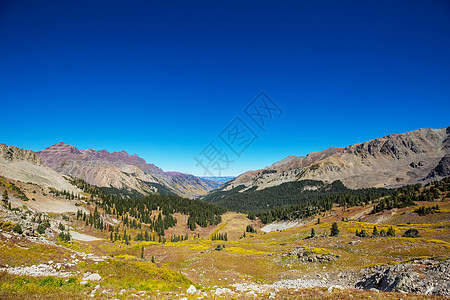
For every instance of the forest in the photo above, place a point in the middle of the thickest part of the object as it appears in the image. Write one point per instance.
(301, 193)
(141, 210)
(337, 193)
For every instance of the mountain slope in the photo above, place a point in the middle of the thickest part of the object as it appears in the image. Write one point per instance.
(392, 160)
(24, 165)
(121, 171)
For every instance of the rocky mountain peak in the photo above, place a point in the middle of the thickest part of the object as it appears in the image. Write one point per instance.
(15, 154)
(391, 160)
(62, 147)
(120, 170)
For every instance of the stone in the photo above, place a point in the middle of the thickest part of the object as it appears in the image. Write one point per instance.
(93, 277)
(191, 290)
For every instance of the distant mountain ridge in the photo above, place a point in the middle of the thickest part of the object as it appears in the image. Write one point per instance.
(219, 179)
(389, 161)
(121, 171)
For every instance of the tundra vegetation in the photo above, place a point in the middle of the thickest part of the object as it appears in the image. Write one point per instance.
(159, 245)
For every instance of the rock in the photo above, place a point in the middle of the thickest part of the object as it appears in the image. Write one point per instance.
(191, 290)
(442, 169)
(93, 277)
(220, 291)
(330, 289)
(419, 277)
(252, 293)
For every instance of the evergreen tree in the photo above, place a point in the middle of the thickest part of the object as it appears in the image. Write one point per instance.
(412, 232)
(334, 229)
(375, 231)
(391, 231)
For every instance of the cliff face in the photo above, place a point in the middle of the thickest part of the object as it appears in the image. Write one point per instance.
(25, 165)
(392, 160)
(121, 170)
(15, 154)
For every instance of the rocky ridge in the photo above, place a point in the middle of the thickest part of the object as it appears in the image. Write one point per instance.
(389, 161)
(26, 166)
(122, 171)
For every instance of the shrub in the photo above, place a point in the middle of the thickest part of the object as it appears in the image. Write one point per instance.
(412, 233)
(65, 237)
(7, 226)
(18, 229)
(72, 280)
(51, 281)
(41, 229)
(61, 227)
(391, 231)
(361, 233)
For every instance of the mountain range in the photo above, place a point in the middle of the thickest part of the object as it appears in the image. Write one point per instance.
(389, 161)
(121, 172)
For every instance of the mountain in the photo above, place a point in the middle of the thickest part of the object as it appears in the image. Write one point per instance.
(26, 166)
(121, 172)
(389, 161)
(219, 179)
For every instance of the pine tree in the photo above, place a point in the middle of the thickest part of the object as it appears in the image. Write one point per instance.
(334, 229)
(142, 253)
(375, 231)
(313, 233)
(390, 231)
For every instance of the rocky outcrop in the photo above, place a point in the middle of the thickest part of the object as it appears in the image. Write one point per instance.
(389, 161)
(26, 166)
(304, 254)
(429, 277)
(442, 169)
(15, 154)
(122, 171)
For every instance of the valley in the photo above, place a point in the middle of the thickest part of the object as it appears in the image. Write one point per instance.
(302, 239)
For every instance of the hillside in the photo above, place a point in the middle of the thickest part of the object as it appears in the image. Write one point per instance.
(389, 161)
(113, 248)
(24, 165)
(128, 174)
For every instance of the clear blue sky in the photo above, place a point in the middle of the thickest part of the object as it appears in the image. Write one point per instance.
(163, 78)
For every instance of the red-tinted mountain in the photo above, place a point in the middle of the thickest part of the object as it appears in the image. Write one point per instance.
(121, 170)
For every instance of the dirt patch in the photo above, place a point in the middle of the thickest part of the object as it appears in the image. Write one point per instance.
(83, 237)
(280, 226)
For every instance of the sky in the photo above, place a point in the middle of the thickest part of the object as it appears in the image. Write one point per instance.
(170, 80)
